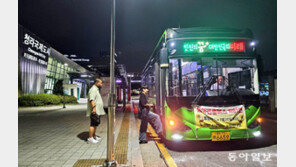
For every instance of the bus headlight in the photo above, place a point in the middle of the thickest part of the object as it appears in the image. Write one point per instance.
(174, 123)
(255, 123)
(259, 120)
(257, 133)
(177, 137)
(172, 44)
(253, 43)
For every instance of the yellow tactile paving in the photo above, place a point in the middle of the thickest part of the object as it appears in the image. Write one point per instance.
(167, 157)
(122, 140)
(120, 149)
(89, 162)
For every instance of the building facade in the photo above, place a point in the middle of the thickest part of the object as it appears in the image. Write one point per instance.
(41, 66)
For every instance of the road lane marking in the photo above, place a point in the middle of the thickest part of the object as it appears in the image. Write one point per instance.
(167, 157)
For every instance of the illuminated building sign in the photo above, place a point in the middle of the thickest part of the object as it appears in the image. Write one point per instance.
(32, 48)
(205, 46)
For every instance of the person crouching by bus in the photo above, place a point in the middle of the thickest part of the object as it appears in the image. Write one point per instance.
(147, 116)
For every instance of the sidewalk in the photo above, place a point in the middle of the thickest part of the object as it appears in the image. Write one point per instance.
(53, 136)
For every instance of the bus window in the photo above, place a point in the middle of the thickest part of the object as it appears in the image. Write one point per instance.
(187, 77)
(174, 78)
(236, 74)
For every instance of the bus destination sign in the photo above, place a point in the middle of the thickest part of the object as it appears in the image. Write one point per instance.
(208, 46)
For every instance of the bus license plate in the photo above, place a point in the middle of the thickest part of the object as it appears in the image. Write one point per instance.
(220, 136)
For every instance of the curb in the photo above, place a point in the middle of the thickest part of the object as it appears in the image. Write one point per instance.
(169, 161)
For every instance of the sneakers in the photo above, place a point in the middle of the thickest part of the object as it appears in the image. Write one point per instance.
(91, 140)
(97, 138)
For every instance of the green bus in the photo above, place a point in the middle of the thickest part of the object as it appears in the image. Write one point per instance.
(204, 83)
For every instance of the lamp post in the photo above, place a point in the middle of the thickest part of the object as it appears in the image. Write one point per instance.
(111, 101)
(64, 103)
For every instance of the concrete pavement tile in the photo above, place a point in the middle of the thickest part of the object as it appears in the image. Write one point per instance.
(70, 162)
(78, 152)
(58, 154)
(58, 163)
(48, 162)
(95, 157)
(46, 149)
(68, 165)
(32, 159)
(97, 153)
(25, 162)
(85, 157)
(62, 151)
(42, 158)
(65, 157)
(25, 156)
(49, 154)
(74, 157)
(53, 158)
(68, 153)
(36, 163)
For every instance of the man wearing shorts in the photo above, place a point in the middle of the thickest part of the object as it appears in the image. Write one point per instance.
(94, 110)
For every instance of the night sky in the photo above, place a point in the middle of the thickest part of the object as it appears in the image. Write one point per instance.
(82, 27)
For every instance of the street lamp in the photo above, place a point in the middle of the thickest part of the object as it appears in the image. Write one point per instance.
(64, 104)
(110, 161)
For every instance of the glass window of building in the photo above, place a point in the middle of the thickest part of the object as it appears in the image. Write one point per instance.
(56, 70)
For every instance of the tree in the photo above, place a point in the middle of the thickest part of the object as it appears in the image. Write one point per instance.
(58, 88)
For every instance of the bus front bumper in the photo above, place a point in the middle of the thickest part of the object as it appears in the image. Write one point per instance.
(206, 134)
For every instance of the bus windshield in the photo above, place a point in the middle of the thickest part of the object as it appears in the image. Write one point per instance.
(212, 76)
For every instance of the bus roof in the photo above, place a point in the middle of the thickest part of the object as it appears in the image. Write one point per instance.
(207, 32)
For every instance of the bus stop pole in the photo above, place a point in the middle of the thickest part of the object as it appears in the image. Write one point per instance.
(110, 161)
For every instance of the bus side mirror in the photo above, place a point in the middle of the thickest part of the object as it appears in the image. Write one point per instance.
(163, 58)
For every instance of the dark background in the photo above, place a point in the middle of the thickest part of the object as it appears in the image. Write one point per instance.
(82, 27)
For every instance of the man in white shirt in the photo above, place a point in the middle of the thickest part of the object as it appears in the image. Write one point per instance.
(94, 110)
(219, 83)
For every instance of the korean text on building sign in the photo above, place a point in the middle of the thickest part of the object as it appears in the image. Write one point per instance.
(28, 40)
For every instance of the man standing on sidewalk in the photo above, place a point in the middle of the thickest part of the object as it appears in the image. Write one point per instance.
(147, 116)
(94, 110)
